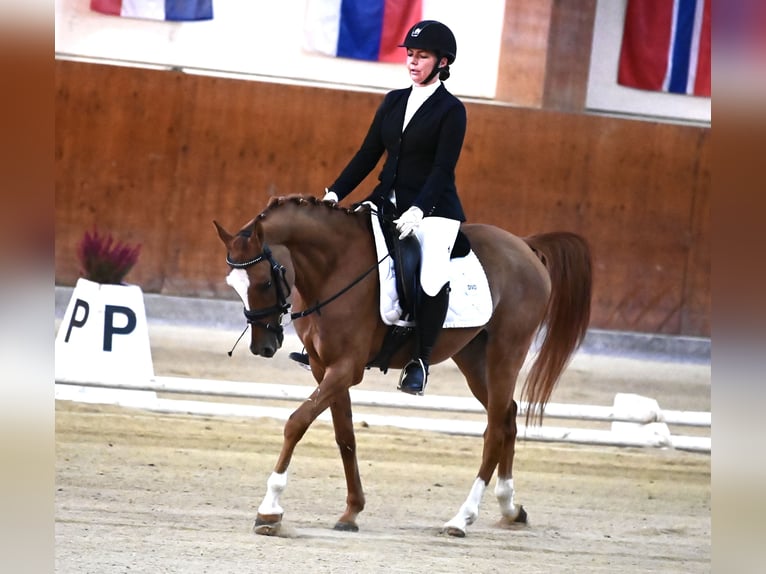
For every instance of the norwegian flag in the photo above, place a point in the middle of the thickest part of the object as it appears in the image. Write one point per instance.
(666, 46)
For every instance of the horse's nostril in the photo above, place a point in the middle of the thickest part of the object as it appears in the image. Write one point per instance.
(267, 351)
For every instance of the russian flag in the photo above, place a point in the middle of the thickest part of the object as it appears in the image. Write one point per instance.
(666, 46)
(360, 29)
(173, 10)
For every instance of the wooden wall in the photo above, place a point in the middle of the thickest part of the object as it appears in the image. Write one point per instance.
(155, 156)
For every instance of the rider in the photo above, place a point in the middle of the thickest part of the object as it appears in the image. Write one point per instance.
(422, 129)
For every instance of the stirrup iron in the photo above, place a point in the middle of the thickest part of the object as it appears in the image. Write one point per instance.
(411, 387)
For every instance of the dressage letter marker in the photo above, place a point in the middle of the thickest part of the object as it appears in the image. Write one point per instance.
(104, 336)
(110, 329)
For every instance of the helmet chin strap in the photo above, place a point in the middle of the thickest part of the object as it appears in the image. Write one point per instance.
(431, 76)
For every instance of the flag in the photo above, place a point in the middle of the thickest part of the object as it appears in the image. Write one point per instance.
(360, 29)
(666, 46)
(173, 10)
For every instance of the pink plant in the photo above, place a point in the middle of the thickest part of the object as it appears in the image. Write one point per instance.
(104, 260)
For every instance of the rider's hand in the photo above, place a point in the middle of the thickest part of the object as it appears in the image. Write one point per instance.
(409, 221)
(330, 196)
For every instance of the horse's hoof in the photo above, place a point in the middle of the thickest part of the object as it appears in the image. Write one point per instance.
(454, 531)
(522, 517)
(267, 527)
(346, 526)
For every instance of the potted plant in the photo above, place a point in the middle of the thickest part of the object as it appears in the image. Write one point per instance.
(104, 335)
(105, 260)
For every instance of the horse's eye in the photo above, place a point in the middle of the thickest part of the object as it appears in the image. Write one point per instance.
(266, 285)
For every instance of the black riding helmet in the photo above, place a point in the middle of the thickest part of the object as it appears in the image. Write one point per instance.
(435, 37)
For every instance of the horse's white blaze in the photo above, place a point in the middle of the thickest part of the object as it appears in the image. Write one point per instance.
(469, 511)
(239, 281)
(504, 493)
(274, 487)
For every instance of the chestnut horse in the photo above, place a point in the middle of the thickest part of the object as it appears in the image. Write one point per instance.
(320, 258)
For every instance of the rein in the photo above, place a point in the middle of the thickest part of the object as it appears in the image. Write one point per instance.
(278, 275)
(319, 305)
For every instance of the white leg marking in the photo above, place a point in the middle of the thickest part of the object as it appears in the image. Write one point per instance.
(274, 487)
(469, 511)
(504, 493)
(239, 281)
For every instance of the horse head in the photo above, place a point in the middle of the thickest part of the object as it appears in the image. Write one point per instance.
(259, 276)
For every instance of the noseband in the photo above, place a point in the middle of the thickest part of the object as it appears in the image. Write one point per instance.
(281, 288)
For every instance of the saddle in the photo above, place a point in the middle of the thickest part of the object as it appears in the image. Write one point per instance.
(406, 256)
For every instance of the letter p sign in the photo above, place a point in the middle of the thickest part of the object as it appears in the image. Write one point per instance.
(79, 305)
(110, 328)
(118, 320)
(104, 335)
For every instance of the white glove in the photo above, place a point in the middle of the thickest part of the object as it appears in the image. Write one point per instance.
(409, 221)
(330, 196)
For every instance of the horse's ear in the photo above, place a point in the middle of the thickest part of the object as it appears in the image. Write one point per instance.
(256, 232)
(225, 236)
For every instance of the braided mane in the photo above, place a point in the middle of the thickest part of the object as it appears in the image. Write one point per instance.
(301, 201)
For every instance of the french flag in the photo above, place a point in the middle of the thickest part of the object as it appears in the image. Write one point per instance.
(666, 46)
(172, 10)
(360, 29)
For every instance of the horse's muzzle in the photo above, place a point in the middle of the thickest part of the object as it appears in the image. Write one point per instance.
(267, 345)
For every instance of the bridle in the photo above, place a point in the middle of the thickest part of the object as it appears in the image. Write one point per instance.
(281, 288)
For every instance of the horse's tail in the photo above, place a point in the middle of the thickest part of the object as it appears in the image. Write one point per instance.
(567, 257)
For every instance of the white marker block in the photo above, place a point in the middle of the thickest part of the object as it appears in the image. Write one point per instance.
(104, 336)
(626, 404)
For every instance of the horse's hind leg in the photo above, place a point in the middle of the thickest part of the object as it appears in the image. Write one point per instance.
(504, 491)
(343, 424)
(471, 361)
(491, 372)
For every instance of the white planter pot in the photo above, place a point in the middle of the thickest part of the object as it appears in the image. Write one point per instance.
(104, 336)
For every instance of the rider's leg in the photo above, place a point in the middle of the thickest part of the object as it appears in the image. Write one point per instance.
(437, 237)
(430, 316)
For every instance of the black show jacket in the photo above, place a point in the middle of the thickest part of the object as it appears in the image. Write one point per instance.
(420, 162)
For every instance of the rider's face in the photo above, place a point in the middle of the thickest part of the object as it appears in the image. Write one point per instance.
(420, 63)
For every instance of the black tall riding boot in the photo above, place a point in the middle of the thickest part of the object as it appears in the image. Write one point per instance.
(429, 317)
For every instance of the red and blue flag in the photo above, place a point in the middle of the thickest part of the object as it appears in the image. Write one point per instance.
(666, 46)
(171, 10)
(360, 29)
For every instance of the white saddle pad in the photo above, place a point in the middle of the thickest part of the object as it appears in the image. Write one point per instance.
(470, 302)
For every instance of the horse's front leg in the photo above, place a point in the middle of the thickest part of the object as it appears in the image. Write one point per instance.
(335, 383)
(269, 518)
(342, 420)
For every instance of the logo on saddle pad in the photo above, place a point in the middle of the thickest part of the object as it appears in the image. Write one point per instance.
(470, 301)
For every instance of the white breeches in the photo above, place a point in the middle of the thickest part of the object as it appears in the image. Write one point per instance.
(436, 236)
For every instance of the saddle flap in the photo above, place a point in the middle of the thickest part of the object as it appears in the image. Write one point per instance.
(407, 257)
